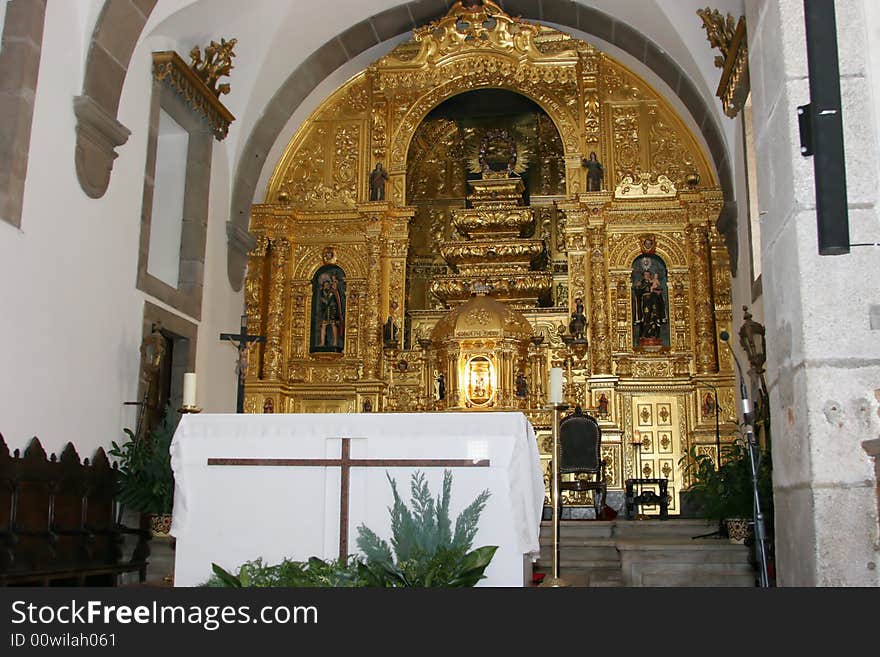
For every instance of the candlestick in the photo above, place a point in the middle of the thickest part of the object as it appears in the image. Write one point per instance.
(555, 385)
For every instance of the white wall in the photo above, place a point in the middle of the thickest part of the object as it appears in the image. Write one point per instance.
(72, 315)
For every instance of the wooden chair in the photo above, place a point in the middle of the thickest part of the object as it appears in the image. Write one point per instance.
(580, 447)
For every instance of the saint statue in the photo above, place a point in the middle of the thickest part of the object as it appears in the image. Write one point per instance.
(649, 307)
(328, 309)
(389, 332)
(378, 178)
(595, 173)
(578, 324)
(439, 385)
(602, 405)
(522, 386)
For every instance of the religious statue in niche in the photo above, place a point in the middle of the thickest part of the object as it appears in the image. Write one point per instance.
(268, 406)
(649, 294)
(378, 178)
(328, 310)
(367, 406)
(389, 333)
(602, 405)
(522, 386)
(578, 324)
(439, 386)
(595, 173)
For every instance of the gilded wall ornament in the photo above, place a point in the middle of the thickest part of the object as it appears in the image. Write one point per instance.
(217, 63)
(728, 36)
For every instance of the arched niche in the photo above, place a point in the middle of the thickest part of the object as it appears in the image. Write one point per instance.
(650, 300)
(328, 310)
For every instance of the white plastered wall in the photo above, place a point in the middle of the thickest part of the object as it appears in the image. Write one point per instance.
(72, 314)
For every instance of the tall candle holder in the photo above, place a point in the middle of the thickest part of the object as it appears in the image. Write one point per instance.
(556, 581)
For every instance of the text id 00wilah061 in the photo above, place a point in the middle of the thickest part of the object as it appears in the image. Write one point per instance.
(62, 640)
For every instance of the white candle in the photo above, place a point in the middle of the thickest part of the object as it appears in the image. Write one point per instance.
(555, 385)
(189, 389)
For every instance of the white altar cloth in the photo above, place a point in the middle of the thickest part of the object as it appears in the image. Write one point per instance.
(233, 514)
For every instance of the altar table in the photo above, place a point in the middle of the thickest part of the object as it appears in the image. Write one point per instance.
(269, 485)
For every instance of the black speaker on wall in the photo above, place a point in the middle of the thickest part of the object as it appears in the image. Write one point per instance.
(822, 127)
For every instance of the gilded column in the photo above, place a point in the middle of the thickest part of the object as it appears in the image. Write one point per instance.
(371, 336)
(720, 269)
(272, 364)
(600, 345)
(253, 300)
(704, 321)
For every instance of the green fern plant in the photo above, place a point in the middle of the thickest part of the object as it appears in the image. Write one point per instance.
(146, 481)
(424, 549)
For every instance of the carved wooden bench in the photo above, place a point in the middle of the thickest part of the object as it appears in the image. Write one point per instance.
(59, 520)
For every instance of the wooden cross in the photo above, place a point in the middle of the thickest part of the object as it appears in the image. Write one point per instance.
(346, 463)
(244, 341)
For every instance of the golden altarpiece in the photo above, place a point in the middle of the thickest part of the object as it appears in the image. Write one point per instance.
(537, 205)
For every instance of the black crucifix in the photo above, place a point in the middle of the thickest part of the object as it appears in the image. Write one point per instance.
(346, 463)
(244, 341)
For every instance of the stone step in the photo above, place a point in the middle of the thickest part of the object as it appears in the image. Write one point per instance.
(664, 574)
(575, 577)
(667, 528)
(586, 529)
(582, 552)
(674, 551)
(579, 528)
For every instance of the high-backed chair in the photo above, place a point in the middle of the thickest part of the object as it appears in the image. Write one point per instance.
(580, 447)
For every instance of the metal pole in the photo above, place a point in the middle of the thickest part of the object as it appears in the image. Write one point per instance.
(760, 531)
(754, 462)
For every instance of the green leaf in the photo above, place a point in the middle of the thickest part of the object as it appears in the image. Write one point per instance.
(226, 577)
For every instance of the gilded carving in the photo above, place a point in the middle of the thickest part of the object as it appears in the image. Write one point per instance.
(625, 126)
(601, 345)
(345, 158)
(670, 157)
(196, 90)
(465, 237)
(704, 325)
(279, 252)
(729, 37)
(643, 185)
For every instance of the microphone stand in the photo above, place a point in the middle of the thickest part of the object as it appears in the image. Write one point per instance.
(755, 462)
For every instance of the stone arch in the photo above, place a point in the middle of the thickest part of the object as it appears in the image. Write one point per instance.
(19, 56)
(404, 17)
(98, 132)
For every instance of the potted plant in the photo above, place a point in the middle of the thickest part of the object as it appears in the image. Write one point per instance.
(146, 481)
(725, 493)
(425, 550)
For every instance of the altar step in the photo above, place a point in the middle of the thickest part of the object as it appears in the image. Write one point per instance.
(644, 553)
